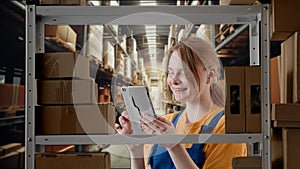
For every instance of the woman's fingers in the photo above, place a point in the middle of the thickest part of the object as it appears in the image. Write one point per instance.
(153, 125)
(125, 124)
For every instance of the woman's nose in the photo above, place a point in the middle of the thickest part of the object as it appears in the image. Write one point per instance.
(175, 80)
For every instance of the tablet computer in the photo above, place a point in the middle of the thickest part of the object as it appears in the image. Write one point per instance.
(137, 101)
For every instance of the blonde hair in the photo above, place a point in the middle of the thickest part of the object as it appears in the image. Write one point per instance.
(193, 51)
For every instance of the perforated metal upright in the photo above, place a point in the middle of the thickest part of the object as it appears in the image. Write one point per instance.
(38, 16)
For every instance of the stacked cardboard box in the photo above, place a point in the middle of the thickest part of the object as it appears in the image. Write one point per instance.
(68, 97)
(12, 95)
(94, 43)
(282, 19)
(74, 161)
(286, 119)
(243, 100)
(63, 35)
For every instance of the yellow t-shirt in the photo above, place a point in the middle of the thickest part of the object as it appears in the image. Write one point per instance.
(216, 155)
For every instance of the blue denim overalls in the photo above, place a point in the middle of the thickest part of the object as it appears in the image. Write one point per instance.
(159, 157)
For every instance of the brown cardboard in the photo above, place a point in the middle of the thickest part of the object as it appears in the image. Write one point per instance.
(291, 153)
(236, 2)
(62, 65)
(290, 124)
(74, 161)
(296, 73)
(12, 95)
(253, 99)
(290, 76)
(8, 148)
(251, 162)
(13, 160)
(49, 2)
(276, 148)
(282, 24)
(234, 112)
(77, 119)
(57, 31)
(274, 80)
(67, 92)
(286, 112)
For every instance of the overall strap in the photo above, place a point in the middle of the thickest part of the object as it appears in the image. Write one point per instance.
(207, 129)
(175, 120)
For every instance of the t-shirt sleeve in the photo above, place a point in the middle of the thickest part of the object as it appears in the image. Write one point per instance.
(220, 155)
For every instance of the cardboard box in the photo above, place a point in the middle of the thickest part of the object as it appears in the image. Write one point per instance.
(274, 80)
(63, 2)
(109, 54)
(62, 65)
(12, 95)
(95, 42)
(62, 34)
(74, 161)
(236, 2)
(8, 148)
(286, 112)
(235, 100)
(251, 162)
(13, 160)
(77, 119)
(289, 74)
(291, 153)
(253, 99)
(276, 148)
(67, 92)
(282, 22)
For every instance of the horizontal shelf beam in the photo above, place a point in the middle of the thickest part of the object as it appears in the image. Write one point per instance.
(146, 139)
(138, 15)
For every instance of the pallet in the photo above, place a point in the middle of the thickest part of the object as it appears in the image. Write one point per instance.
(10, 111)
(61, 43)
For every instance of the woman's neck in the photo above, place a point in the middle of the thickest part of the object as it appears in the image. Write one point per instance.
(198, 108)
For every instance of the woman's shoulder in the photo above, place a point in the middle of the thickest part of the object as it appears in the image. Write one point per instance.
(170, 116)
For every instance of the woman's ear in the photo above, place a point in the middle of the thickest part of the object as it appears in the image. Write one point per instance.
(211, 73)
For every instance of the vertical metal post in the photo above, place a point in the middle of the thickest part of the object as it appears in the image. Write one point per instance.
(265, 75)
(30, 87)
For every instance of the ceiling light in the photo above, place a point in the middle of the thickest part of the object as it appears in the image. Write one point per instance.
(148, 3)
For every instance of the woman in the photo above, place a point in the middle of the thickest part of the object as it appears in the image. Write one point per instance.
(192, 75)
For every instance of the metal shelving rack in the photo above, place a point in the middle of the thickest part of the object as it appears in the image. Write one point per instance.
(257, 17)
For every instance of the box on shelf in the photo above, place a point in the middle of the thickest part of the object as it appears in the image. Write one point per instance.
(282, 21)
(251, 162)
(74, 161)
(276, 148)
(63, 2)
(62, 34)
(62, 65)
(13, 160)
(291, 153)
(253, 99)
(237, 2)
(12, 95)
(94, 43)
(76, 119)
(67, 92)
(274, 80)
(286, 115)
(235, 100)
(109, 54)
(289, 75)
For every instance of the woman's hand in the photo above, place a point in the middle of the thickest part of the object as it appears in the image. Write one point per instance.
(126, 128)
(158, 125)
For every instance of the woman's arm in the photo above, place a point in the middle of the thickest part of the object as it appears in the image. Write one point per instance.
(137, 157)
(181, 158)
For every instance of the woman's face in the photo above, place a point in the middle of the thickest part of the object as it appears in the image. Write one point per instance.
(182, 82)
